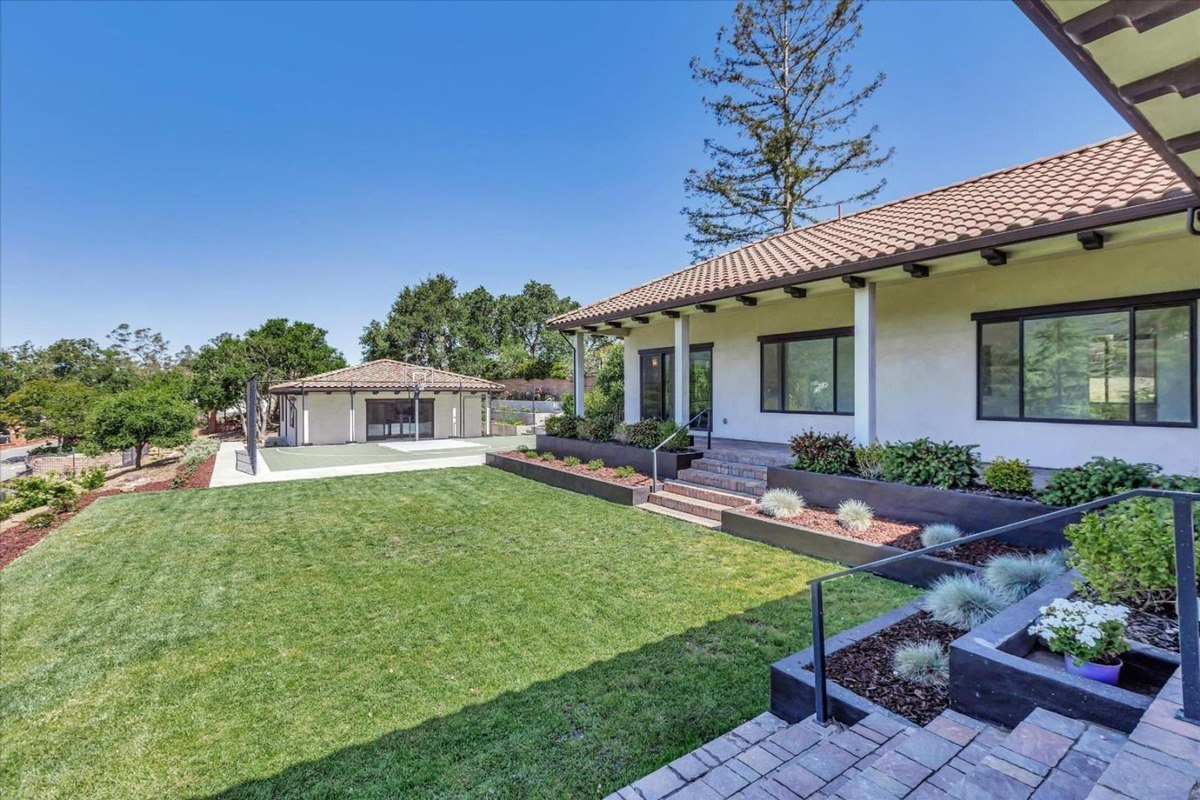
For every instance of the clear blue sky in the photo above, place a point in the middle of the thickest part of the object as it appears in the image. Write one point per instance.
(199, 168)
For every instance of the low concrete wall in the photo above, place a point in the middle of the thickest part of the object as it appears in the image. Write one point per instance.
(970, 511)
(920, 571)
(572, 481)
(619, 455)
(991, 678)
(792, 694)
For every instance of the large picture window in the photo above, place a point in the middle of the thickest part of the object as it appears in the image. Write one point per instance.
(1130, 361)
(808, 373)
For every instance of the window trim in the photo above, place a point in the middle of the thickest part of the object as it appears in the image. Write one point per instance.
(1129, 305)
(799, 336)
(669, 349)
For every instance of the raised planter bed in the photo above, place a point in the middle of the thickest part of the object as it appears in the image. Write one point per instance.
(573, 481)
(792, 680)
(918, 571)
(618, 455)
(1000, 673)
(973, 512)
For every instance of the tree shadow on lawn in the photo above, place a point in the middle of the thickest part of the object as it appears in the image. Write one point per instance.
(588, 732)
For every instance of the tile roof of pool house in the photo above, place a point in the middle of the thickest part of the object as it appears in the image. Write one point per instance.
(389, 374)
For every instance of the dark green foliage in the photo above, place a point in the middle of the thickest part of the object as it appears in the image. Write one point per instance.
(92, 477)
(1177, 483)
(596, 429)
(565, 426)
(782, 83)
(927, 463)
(649, 433)
(1009, 475)
(1126, 553)
(34, 491)
(827, 453)
(139, 417)
(1097, 478)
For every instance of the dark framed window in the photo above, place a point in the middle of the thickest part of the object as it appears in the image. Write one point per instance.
(1128, 361)
(657, 382)
(807, 373)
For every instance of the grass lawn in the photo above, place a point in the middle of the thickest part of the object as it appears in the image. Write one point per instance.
(452, 633)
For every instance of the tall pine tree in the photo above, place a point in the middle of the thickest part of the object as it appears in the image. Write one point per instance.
(783, 84)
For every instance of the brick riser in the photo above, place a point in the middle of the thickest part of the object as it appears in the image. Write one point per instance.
(750, 486)
(730, 468)
(755, 459)
(708, 495)
(687, 505)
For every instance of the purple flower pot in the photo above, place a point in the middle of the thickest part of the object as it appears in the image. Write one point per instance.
(1105, 673)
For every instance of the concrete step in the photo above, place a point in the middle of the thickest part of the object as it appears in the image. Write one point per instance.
(762, 459)
(688, 505)
(727, 499)
(729, 483)
(731, 468)
(680, 515)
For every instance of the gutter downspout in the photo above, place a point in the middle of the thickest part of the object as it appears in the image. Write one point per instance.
(353, 421)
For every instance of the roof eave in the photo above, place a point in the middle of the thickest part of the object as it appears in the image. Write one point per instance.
(1134, 213)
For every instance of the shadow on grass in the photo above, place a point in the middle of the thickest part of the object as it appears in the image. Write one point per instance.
(588, 732)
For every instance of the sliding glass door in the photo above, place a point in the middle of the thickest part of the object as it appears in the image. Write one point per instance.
(397, 419)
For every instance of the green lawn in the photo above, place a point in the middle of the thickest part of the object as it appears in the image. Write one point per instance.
(453, 633)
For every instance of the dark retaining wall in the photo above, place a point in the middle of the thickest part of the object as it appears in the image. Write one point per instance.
(918, 571)
(619, 455)
(584, 484)
(991, 678)
(923, 505)
(792, 693)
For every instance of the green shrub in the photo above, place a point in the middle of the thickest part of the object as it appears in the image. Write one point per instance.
(34, 491)
(1177, 483)
(649, 433)
(200, 450)
(781, 503)
(624, 472)
(1126, 553)
(61, 504)
(572, 461)
(596, 429)
(1009, 475)
(42, 519)
(1016, 576)
(522, 448)
(546, 456)
(1096, 478)
(868, 461)
(565, 426)
(962, 601)
(855, 515)
(928, 463)
(926, 663)
(595, 464)
(827, 453)
(91, 478)
(940, 533)
(530, 454)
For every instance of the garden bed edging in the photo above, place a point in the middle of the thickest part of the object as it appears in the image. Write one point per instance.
(572, 481)
(619, 455)
(919, 571)
(972, 512)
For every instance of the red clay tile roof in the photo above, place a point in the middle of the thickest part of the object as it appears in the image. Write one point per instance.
(385, 373)
(1115, 174)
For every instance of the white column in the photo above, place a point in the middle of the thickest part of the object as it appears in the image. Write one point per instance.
(304, 416)
(682, 369)
(352, 434)
(580, 352)
(487, 413)
(864, 364)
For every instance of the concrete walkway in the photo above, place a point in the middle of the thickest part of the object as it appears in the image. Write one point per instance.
(443, 453)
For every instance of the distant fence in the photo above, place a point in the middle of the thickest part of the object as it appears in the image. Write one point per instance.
(541, 388)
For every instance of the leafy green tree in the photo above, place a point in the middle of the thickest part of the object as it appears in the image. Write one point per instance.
(47, 407)
(134, 418)
(784, 85)
(421, 327)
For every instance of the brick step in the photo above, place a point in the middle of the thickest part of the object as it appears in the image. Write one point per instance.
(730, 468)
(680, 515)
(688, 505)
(727, 499)
(729, 483)
(747, 457)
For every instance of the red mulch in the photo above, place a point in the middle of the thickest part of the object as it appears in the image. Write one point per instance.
(903, 535)
(865, 668)
(605, 473)
(20, 538)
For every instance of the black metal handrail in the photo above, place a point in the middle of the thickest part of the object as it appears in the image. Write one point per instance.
(1185, 584)
(687, 426)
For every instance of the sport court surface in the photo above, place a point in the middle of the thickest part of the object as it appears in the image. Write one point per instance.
(284, 459)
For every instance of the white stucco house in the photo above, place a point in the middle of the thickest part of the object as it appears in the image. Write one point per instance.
(383, 400)
(1046, 312)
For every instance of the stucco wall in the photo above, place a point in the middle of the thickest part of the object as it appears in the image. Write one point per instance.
(926, 369)
(329, 416)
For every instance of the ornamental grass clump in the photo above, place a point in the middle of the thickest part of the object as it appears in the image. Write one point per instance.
(855, 515)
(926, 663)
(940, 533)
(1016, 576)
(781, 503)
(962, 601)
(1087, 632)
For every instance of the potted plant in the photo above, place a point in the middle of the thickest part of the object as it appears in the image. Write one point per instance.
(1090, 636)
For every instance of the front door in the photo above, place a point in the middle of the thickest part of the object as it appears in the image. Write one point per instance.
(398, 419)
